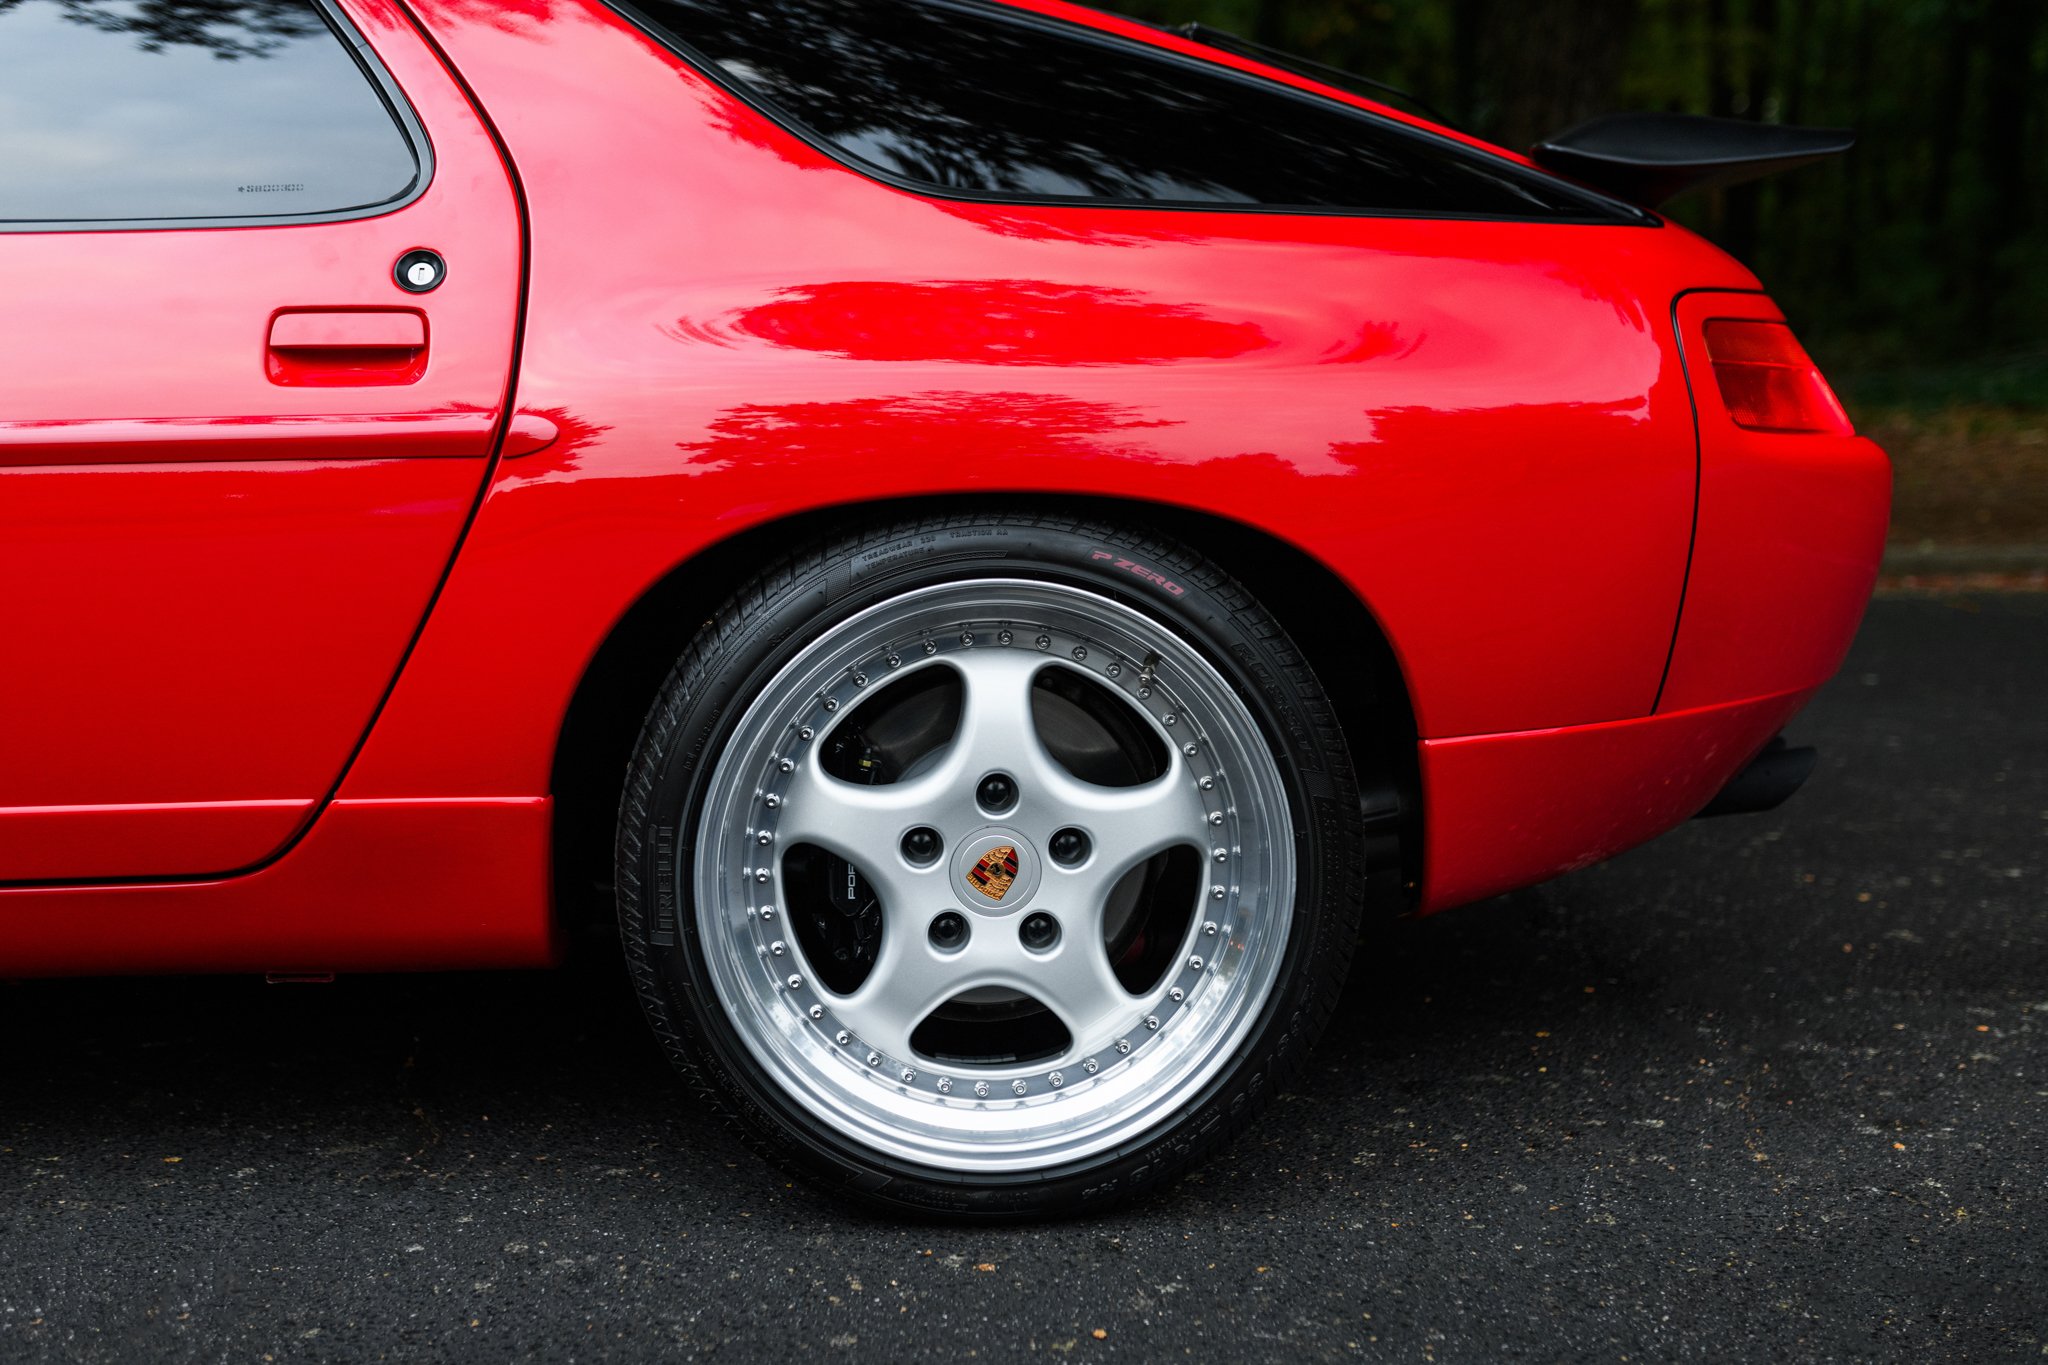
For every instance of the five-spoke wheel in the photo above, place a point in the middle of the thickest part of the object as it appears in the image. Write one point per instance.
(983, 877)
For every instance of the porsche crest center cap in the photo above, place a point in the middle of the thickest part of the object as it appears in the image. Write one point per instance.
(994, 871)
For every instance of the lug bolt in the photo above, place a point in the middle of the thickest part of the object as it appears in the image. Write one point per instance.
(1039, 931)
(949, 931)
(1068, 847)
(922, 845)
(996, 793)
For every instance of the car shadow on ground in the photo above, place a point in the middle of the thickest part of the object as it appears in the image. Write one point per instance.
(191, 1062)
(426, 1073)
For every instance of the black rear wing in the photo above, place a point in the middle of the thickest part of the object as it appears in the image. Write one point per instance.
(1649, 158)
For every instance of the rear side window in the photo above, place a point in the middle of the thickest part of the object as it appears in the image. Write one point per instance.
(123, 110)
(977, 101)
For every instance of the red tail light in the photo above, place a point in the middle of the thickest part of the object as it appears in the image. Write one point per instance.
(1768, 381)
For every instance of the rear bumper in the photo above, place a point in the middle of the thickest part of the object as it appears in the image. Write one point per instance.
(1788, 533)
(1502, 811)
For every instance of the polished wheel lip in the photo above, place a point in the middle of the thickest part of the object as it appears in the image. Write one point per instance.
(1108, 1090)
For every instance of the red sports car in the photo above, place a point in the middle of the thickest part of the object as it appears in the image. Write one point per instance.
(987, 539)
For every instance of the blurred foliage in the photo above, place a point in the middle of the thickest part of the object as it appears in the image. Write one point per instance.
(1916, 268)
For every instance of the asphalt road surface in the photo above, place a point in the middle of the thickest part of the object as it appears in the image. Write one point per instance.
(1770, 1088)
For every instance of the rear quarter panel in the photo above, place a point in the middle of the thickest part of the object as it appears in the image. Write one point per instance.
(1481, 426)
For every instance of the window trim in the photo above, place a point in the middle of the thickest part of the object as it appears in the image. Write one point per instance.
(388, 93)
(1602, 210)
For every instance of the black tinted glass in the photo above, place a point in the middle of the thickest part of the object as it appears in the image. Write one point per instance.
(146, 109)
(978, 102)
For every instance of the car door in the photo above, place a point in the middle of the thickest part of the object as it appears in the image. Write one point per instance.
(260, 266)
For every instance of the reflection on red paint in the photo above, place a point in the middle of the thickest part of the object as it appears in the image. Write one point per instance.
(994, 322)
(987, 433)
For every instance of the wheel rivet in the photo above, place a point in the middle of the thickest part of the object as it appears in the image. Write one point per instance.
(1068, 847)
(767, 912)
(1004, 637)
(1152, 1021)
(831, 703)
(764, 837)
(817, 1011)
(996, 793)
(1080, 652)
(796, 983)
(778, 948)
(908, 1075)
(1222, 855)
(1039, 931)
(805, 732)
(1044, 642)
(842, 1037)
(1191, 749)
(966, 637)
(1018, 1087)
(949, 931)
(931, 646)
(1216, 891)
(1123, 1045)
(787, 765)
(1169, 719)
(874, 1059)
(1144, 694)
(1207, 784)
(1209, 928)
(922, 845)
(1089, 1065)
(895, 661)
(1057, 1080)
(771, 801)
(761, 876)
(981, 1089)
(1115, 670)
(1177, 995)
(945, 1085)
(1194, 964)
(860, 680)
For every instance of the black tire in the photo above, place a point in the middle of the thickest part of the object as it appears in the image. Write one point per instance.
(765, 624)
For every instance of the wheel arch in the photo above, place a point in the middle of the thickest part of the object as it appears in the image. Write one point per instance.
(1341, 638)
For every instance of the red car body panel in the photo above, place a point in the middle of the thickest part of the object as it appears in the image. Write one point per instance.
(215, 555)
(372, 886)
(1484, 429)
(1502, 811)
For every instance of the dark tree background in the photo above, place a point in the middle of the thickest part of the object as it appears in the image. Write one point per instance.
(1920, 261)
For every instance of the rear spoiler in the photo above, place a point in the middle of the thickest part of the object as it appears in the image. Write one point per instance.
(1649, 158)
